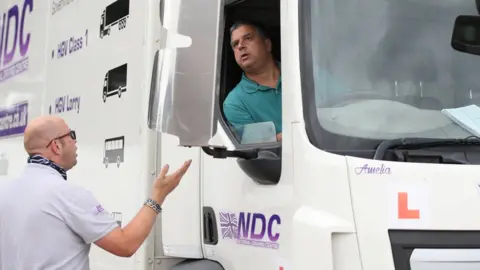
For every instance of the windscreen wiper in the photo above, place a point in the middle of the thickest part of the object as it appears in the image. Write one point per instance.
(417, 143)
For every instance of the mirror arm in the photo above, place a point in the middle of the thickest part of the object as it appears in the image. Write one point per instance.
(161, 6)
(221, 152)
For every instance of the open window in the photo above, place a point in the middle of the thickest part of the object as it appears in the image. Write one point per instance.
(266, 15)
(193, 73)
(261, 137)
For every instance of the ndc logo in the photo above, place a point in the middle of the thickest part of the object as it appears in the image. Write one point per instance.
(14, 41)
(251, 229)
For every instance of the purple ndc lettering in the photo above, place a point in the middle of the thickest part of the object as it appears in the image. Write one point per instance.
(12, 31)
(253, 229)
(260, 218)
(366, 169)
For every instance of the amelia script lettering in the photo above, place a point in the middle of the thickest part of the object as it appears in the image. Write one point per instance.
(368, 169)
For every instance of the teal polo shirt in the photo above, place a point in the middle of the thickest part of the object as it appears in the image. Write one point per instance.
(250, 103)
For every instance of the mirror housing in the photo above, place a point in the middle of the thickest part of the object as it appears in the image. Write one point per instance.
(184, 93)
(466, 34)
(265, 169)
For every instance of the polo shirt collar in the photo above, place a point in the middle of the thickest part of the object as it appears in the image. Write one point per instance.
(37, 159)
(250, 86)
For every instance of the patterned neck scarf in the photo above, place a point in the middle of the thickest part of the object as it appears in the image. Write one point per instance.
(37, 159)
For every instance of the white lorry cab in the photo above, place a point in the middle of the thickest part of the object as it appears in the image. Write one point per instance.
(377, 168)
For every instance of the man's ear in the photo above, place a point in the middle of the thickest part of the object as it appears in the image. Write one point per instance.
(268, 44)
(57, 146)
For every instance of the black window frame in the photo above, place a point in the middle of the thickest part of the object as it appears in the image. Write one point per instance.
(222, 91)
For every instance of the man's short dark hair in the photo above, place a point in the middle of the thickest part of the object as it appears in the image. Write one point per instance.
(257, 26)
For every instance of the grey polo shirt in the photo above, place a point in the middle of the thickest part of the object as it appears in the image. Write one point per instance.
(48, 223)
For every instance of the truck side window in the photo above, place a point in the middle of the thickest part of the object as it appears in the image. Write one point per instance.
(251, 96)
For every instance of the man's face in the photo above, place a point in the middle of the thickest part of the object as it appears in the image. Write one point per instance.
(249, 48)
(67, 148)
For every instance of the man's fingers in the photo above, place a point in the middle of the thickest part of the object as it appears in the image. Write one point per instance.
(182, 170)
(164, 171)
(185, 167)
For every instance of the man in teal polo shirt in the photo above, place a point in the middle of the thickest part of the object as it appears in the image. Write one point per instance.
(258, 96)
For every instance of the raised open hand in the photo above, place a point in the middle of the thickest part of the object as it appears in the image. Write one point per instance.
(164, 184)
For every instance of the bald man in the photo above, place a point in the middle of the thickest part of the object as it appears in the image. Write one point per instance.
(48, 223)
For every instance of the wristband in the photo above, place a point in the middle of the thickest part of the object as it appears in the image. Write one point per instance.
(154, 205)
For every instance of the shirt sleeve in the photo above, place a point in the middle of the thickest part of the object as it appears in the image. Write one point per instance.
(84, 215)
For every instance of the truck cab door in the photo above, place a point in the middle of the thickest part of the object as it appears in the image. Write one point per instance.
(184, 103)
(183, 97)
(185, 58)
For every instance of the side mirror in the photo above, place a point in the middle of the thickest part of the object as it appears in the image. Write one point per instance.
(265, 169)
(184, 77)
(466, 34)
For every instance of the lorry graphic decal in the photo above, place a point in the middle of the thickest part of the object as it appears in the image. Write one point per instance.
(114, 149)
(115, 13)
(115, 82)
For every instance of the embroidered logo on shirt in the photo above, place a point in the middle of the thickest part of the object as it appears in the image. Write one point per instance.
(99, 209)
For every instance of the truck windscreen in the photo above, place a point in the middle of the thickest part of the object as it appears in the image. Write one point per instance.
(385, 69)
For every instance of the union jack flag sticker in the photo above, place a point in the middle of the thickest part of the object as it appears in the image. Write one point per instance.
(229, 225)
